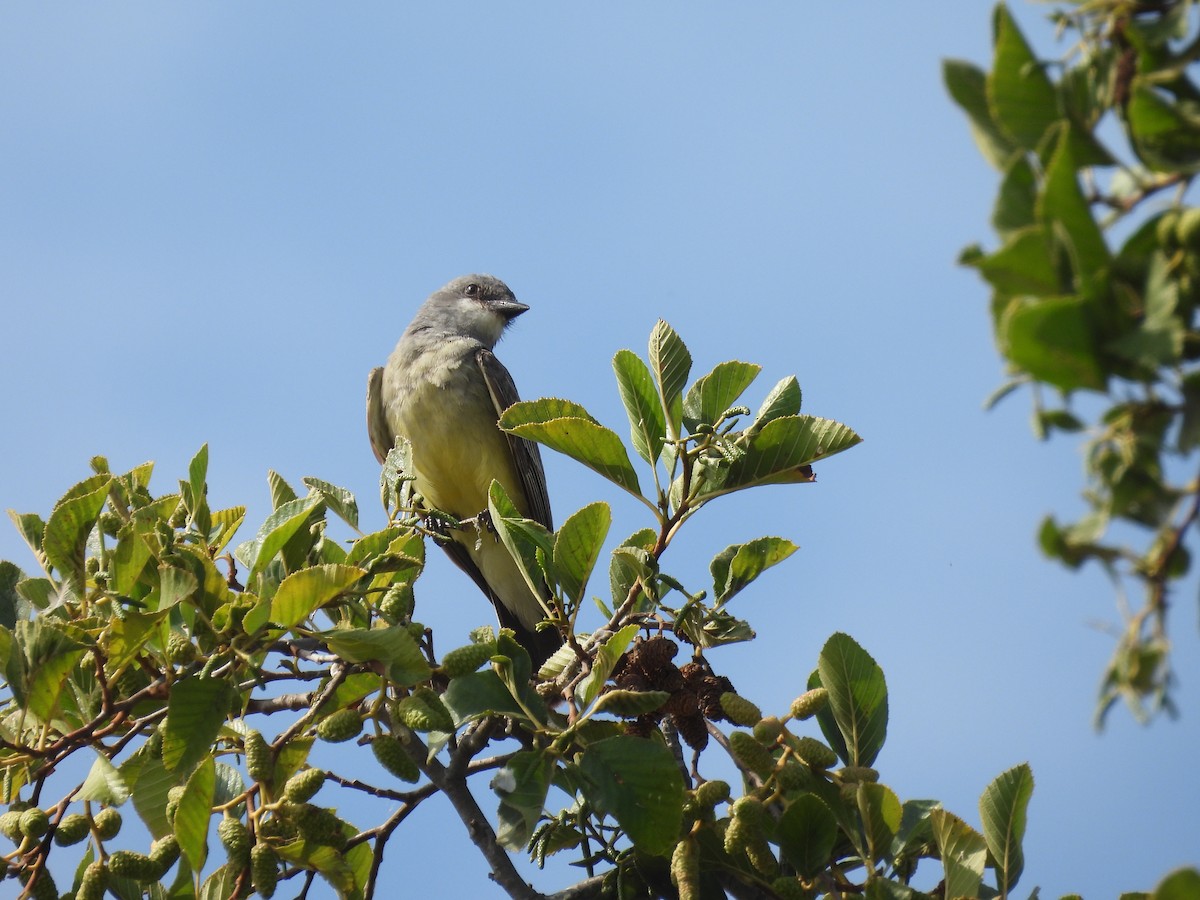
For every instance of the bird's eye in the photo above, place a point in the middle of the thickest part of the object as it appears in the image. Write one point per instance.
(471, 289)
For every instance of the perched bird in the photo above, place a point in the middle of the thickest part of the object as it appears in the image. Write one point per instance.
(443, 389)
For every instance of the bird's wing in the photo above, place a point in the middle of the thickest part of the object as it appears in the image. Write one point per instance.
(525, 453)
(382, 439)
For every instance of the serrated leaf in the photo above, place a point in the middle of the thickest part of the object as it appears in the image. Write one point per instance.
(151, 781)
(739, 564)
(196, 709)
(881, 814)
(544, 409)
(47, 657)
(967, 86)
(281, 491)
(585, 441)
(528, 542)
(857, 697)
(104, 784)
(483, 693)
(807, 832)
(631, 562)
(630, 704)
(521, 785)
(304, 592)
(69, 525)
(577, 546)
(1002, 810)
(963, 851)
(713, 394)
(783, 400)
(194, 812)
(1020, 95)
(338, 499)
(1061, 201)
(647, 424)
(31, 528)
(637, 781)
(1054, 341)
(670, 362)
(175, 585)
(275, 532)
(606, 660)
(225, 523)
(780, 454)
(393, 646)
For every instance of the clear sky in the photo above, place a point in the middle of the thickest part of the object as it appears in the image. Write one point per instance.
(215, 218)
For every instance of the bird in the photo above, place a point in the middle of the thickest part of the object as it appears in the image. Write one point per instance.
(443, 390)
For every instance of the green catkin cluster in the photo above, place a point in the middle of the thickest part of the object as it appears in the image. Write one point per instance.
(72, 829)
(810, 703)
(93, 882)
(317, 824)
(304, 785)
(136, 866)
(264, 870)
(465, 660)
(814, 753)
(34, 823)
(107, 823)
(10, 825)
(789, 889)
(341, 726)
(685, 869)
(390, 753)
(751, 754)
(236, 840)
(769, 730)
(712, 792)
(165, 853)
(423, 711)
(739, 710)
(746, 834)
(259, 764)
(174, 795)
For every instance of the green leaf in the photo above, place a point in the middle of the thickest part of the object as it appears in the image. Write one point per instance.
(484, 694)
(577, 547)
(713, 394)
(196, 709)
(175, 585)
(1016, 202)
(881, 814)
(783, 400)
(522, 785)
(807, 832)
(1062, 202)
(151, 782)
(631, 562)
(1164, 137)
(583, 440)
(1182, 884)
(646, 420)
(1020, 95)
(1022, 265)
(32, 529)
(197, 490)
(393, 646)
(1002, 811)
(606, 660)
(637, 781)
(304, 592)
(1055, 342)
(104, 783)
(739, 564)
(963, 851)
(338, 499)
(279, 528)
(69, 525)
(780, 454)
(670, 362)
(544, 409)
(967, 86)
(528, 542)
(857, 697)
(194, 812)
(47, 657)
(10, 600)
(281, 491)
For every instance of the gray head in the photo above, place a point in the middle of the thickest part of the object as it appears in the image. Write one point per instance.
(477, 306)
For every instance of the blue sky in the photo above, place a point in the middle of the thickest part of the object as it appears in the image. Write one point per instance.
(215, 218)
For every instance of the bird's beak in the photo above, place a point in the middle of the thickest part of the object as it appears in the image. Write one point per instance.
(510, 309)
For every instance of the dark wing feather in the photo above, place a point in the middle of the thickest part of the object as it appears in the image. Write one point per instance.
(525, 453)
(382, 439)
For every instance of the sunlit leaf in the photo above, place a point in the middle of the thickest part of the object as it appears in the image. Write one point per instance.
(1002, 810)
(304, 592)
(637, 781)
(857, 697)
(647, 423)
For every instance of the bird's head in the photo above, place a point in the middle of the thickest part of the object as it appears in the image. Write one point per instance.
(478, 306)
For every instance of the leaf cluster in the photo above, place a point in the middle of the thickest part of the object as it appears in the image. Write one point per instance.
(1096, 284)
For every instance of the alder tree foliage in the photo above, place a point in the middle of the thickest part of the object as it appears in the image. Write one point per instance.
(153, 675)
(1095, 286)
